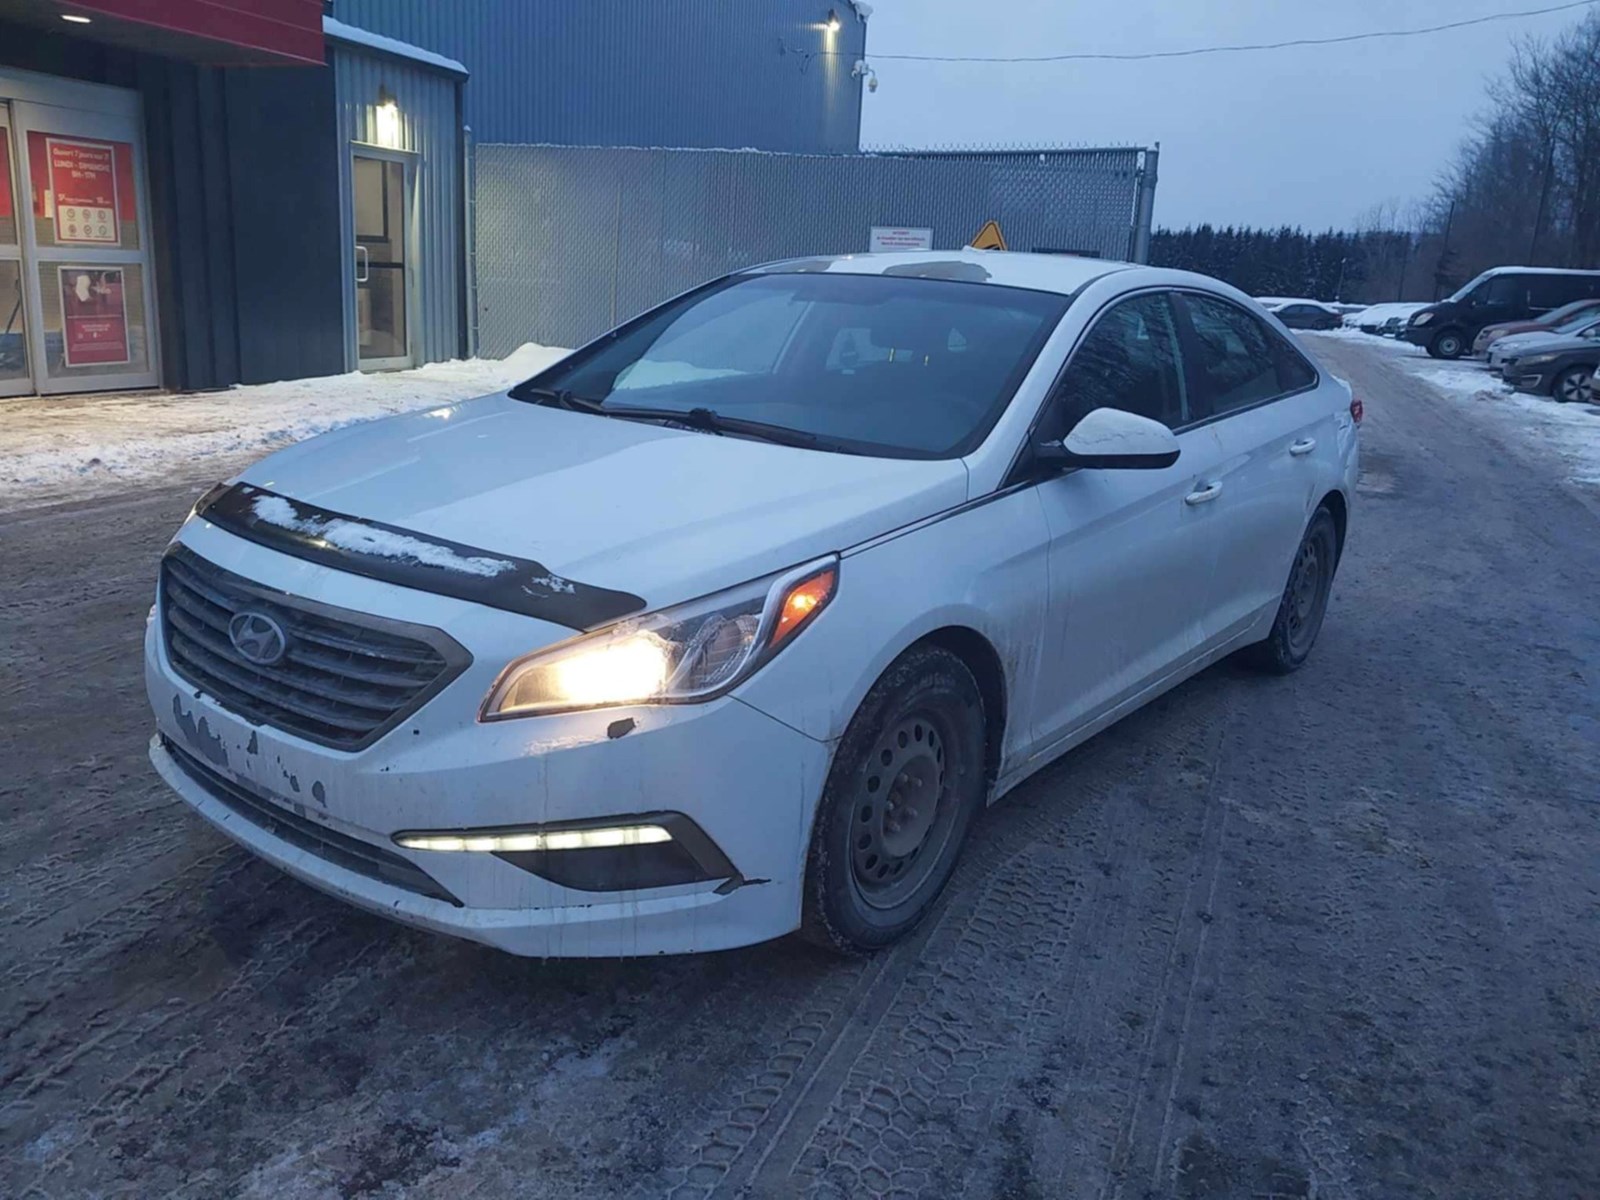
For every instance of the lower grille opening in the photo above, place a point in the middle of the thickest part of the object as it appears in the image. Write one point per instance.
(363, 858)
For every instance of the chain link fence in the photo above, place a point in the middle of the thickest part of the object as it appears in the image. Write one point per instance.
(571, 240)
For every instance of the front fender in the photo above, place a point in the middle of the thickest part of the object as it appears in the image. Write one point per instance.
(983, 568)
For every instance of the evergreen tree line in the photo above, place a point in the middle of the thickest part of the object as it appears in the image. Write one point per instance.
(1352, 266)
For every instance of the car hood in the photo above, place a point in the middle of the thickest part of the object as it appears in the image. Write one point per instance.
(667, 514)
(1533, 343)
(1511, 328)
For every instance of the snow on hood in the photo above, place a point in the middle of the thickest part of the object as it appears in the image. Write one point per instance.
(666, 514)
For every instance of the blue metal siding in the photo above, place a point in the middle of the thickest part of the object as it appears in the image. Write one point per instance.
(429, 129)
(762, 74)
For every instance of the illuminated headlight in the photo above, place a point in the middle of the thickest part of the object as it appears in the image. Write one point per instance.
(680, 655)
(1422, 318)
(512, 842)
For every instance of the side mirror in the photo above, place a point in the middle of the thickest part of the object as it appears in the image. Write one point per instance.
(1110, 439)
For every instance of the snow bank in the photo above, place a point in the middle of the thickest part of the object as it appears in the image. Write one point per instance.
(77, 446)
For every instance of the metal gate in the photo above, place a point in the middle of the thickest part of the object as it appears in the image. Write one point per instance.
(571, 240)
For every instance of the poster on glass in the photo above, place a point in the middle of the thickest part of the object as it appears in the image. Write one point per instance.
(83, 182)
(94, 317)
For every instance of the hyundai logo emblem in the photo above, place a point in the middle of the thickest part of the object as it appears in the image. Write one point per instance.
(258, 638)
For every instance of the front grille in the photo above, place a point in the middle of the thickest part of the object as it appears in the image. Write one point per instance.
(345, 678)
(340, 849)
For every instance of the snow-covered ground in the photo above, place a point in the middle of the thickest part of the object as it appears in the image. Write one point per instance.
(56, 449)
(1571, 432)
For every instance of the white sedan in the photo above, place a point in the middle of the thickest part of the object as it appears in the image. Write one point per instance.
(729, 624)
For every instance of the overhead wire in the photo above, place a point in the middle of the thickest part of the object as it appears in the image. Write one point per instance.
(1241, 48)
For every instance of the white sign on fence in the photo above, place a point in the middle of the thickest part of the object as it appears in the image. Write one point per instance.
(895, 237)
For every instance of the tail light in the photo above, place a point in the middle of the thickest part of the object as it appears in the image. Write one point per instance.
(1357, 409)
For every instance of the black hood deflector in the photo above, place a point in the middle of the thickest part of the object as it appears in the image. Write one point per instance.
(411, 559)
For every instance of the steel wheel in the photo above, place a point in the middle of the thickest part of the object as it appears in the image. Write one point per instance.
(906, 783)
(1306, 598)
(904, 812)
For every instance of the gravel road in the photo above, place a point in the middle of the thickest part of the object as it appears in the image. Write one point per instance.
(1332, 936)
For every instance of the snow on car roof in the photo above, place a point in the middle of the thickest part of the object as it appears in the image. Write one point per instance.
(1537, 271)
(1062, 273)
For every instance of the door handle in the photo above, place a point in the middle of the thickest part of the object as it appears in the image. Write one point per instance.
(1302, 447)
(1205, 494)
(362, 259)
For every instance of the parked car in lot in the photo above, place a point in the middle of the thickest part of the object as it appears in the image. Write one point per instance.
(1519, 344)
(1502, 294)
(1306, 314)
(1561, 368)
(729, 623)
(1552, 320)
(1384, 319)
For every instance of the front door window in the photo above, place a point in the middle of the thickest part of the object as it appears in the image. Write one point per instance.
(380, 202)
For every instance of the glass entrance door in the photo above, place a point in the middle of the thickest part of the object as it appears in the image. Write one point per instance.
(76, 272)
(381, 202)
(16, 379)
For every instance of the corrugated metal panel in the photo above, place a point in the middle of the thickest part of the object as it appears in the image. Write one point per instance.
(706, 73)
(430, 130)
(572, 239)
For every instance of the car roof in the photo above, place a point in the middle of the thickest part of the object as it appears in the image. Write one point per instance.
(1063, 273)
(1536, 271)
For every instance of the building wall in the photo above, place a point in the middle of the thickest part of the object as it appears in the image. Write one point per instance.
(430, 129)
(761, 74)
(243, 207)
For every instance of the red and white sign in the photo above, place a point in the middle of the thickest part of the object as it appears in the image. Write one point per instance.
(94, 317)
(897, 237)
(83, 187)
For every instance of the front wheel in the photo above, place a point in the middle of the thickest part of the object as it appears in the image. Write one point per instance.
(1447, 343)
(1572, 385)
(1304, 602)
(906, 783)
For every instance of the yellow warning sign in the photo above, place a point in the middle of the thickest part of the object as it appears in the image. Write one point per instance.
(989, 237)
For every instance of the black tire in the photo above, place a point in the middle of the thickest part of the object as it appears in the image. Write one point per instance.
(1304, 603)
(1571, 385)
(1448, 343)
(878, 861)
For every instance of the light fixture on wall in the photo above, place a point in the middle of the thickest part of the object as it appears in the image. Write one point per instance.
(75, 18)
(386, 120)
(833, 21)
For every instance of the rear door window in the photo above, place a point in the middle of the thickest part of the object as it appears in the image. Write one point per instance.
(1238, 360)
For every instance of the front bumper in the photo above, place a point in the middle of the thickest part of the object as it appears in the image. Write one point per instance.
(1531, 379)
(1417, 335)
(748, 782)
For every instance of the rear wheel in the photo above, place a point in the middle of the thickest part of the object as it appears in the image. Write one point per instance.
(1304, 602)
(1572, 385)
(906, 783)
(1447, 343)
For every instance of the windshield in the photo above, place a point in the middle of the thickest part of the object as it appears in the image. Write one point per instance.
(1466, 288)
(873, 364)
(1576, 324)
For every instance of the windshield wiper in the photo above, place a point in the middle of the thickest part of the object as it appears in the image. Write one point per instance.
(709, 421)
(560, 397)
(703, 419)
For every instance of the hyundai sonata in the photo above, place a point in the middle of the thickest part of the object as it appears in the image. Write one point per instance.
(729, 623)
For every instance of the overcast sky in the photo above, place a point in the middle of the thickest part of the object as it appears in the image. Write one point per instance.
(1311, 136)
